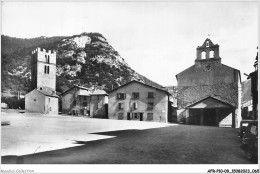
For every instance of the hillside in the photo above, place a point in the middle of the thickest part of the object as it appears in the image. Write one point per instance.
(86, 59)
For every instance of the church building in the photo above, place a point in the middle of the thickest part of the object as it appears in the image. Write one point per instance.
(209, 92)
(42, 98)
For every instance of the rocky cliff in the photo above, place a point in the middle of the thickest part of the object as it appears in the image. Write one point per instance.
(86, 59)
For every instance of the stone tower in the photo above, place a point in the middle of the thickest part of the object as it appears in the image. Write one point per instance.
(43, 69)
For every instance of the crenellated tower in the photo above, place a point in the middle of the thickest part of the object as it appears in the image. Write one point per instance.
(43, 69)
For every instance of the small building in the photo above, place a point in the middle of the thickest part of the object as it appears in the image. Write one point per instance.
(42, 100)
(139, 101)
(209, 92)
(82, 101)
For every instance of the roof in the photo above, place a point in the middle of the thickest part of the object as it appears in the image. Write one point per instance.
(99, 92)
(46, 92)
(135, 81)
(209, 102)
(89, 91)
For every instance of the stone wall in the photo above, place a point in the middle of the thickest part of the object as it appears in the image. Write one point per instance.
(225, 92)
(34, 102)
(208, 78)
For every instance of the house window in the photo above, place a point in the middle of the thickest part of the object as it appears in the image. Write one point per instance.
(48, 70)
(85, 97)
(84, 104)
(150, 95)
(120, 116)
(74, 103)
(134, 105)
(121, 96)
(120, 106)
(135, 116)
(150, 106)
(149, 116)
(34, 99)
(135, 95)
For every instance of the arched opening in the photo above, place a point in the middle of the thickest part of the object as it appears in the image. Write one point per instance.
(211, 54)
(207, 44)
(203, 55)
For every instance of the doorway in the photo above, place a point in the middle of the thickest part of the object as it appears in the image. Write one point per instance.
(209, 118)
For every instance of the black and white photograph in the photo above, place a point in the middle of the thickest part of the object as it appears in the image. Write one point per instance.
(129, 86)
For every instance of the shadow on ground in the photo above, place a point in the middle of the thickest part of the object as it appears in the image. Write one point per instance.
(181, 144)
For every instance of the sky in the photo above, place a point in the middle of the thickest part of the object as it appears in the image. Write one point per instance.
(157, 39)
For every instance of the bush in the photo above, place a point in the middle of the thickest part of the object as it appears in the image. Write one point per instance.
(13, 102)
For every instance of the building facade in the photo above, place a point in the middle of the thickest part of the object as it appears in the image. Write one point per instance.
(42, 98)
(83, 101)
(42, 101)
(209, 92)
(138, 101)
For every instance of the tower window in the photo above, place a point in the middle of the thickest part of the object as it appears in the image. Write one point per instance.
(46, 69)
(207, 44)
(203, 55)
(47, 57)
(211, 54)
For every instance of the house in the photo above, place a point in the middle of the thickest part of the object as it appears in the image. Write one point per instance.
(139, 101)
(209, 92)
(42, 98)
(79, 100)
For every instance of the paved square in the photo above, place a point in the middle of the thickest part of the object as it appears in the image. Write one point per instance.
(39, 139)
(33, 133)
